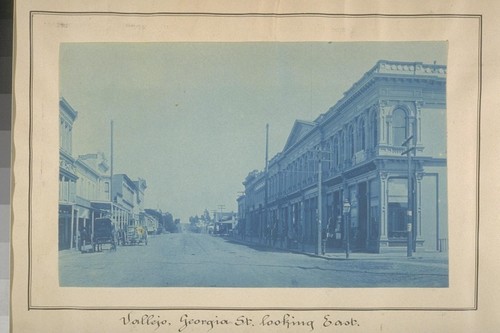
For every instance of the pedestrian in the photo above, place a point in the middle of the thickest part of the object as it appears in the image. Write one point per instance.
(268, 235)
(324, 237)
(79, 239)
(83, 237)
(275, 232)
(283, 234)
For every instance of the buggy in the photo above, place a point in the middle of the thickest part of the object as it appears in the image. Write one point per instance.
(134, 235)
(104, 233)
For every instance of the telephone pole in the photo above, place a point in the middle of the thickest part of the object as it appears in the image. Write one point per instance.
(409, 215)
(319, 249)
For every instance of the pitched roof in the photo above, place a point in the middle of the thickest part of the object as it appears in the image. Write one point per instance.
(299, 130)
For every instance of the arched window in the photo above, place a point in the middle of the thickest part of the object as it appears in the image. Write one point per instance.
(328, 155)
(399, 132)
(361, 135)
(374, 127)
(341, 147)
(351, 143)
(336, 151)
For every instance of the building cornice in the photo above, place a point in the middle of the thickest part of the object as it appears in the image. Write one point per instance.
(64, 105)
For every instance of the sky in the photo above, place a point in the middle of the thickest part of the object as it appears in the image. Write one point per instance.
(190, 118)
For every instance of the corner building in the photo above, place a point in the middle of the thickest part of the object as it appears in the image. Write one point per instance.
(358, 144)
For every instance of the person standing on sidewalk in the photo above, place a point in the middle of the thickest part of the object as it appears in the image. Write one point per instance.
(274, 233)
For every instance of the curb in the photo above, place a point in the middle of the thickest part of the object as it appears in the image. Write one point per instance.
(441, 258)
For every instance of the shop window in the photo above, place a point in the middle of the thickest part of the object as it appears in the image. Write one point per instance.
(397, 222)
(398, 205)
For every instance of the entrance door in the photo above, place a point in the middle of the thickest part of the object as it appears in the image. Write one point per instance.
(362, 230)
(64, 231)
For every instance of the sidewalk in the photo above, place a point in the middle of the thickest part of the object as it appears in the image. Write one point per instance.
(394, 254)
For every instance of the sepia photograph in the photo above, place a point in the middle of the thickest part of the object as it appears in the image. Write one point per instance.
(253, 165)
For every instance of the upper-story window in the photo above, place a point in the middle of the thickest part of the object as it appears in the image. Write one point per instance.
(341, 147)
(336, 151)
(327, 156)
(374, 127)
(351, 142)
(361, 135)
(399, 127)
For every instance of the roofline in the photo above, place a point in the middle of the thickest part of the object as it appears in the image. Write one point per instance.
(68, 108)
(377, 70)
(127, 178)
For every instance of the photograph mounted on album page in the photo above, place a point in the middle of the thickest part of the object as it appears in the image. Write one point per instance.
(194, 168)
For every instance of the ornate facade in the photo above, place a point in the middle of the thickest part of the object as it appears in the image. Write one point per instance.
(357, 146)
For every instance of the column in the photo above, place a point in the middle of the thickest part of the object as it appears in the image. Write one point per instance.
(383, 208)
(418, 204)
(71, 228)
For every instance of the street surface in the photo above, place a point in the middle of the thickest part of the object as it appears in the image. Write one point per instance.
(201, 260)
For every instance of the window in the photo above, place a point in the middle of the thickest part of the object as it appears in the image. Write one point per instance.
(351, 142)
(399, 132)
(374, 126)
(361, 135)
(327, 155)
(341, 147)
(336, 151)
(397, 207)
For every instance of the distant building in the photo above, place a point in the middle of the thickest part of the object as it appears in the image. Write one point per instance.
(224, 223)
(359, 141)
(242, 222)
(253, 204)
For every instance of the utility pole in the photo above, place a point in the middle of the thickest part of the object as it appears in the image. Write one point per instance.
(409, 216)
(111, 178)
(320, 201)
(221, 207)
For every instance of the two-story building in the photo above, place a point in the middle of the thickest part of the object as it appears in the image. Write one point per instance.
(359, 142)
(88, 191)
(92, 185)
(67, 176)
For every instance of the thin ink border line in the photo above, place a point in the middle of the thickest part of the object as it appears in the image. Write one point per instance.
(276, 15)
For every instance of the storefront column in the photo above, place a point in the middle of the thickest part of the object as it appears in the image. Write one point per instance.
(78, 228)
(289, 219)
(72, 228)
(302, 222)
(384, 241)
(418, 203)
(93, 218)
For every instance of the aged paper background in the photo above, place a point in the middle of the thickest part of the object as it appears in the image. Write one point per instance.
(39, 304)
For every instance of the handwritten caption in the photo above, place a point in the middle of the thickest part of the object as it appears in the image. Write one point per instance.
(186, 322)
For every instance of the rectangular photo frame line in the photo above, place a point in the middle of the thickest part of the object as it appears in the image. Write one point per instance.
(293, 227)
